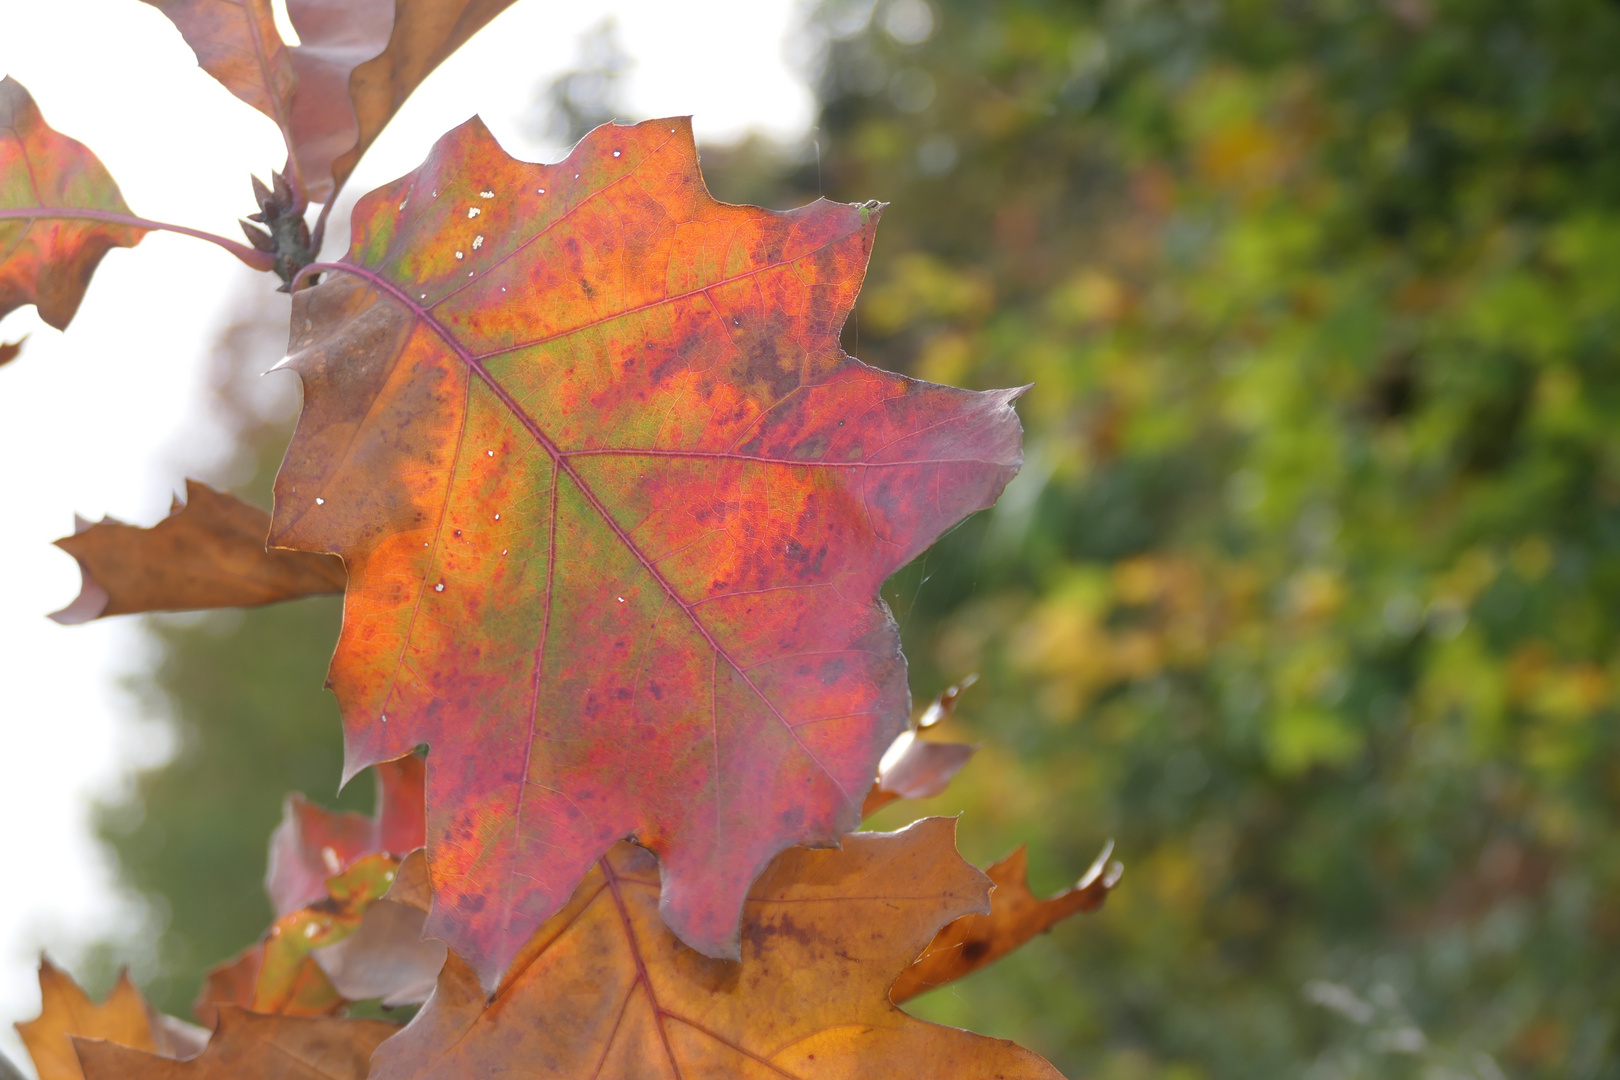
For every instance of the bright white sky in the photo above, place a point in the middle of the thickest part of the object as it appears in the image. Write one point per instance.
(95, 421)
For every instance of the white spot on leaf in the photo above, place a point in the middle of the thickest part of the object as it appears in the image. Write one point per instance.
(460, 255)
(320, 501)
(439, 587)
(472, 211)
(478, 241)
(486, 194)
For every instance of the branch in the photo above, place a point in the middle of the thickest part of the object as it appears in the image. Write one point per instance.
(258, 260)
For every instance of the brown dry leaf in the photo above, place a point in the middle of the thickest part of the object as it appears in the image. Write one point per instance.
(246, 1046)
(10, 349)
(604, 990)
(1016, 915)
(208, 553)
(125, 1017)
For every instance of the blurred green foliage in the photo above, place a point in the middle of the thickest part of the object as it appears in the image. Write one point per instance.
(1306, 592)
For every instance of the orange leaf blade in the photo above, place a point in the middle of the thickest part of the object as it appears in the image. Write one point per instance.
(246, 1046)
(1016, 915)
(606, 991)
(48, 261)
(616, 508)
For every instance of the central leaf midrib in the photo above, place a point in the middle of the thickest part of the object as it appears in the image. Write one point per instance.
(561, 463)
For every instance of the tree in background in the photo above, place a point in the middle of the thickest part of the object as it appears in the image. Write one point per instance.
(1305, 594)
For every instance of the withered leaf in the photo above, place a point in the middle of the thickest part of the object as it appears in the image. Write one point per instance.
(916, 768)
(1016, 915)
(47, 261)
(616, 508)
(604, 991)
(125, 1017)
(208, 553)
(246, 1046)
(10, 349)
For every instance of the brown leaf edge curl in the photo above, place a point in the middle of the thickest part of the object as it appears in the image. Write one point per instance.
(8, 352)
(247, 1046)
(604, 990)
(66, 1011)
(208, 553)
(1016, 915)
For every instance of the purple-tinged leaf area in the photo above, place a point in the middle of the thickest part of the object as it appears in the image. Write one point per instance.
(615, 508)
(48, 260)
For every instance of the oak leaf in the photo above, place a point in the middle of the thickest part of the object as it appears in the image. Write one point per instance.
(9, 350)
(246, 1046)
(615, 508)
(45, 260)
(1016, 915)
(125, 1017)
(606, 991)
(208, 553)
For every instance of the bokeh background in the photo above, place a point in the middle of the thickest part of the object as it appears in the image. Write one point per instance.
(1307, 593)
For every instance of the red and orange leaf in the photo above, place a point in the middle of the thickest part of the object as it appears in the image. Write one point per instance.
(1016, 915)
(604, 991)
(615, 508)
(45, 260)
(125, 1017)
(208, 553)
(313, 843)
(250, 1047)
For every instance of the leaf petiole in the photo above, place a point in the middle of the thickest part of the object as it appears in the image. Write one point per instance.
(258, 260)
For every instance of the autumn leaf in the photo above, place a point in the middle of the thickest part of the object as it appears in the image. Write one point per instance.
(615, 508)
(10, 349)
(246, 1046)
(326, 869)
(125, 1017)
(312, 844)
(604, 990)
(296, 986)
(208, 553)
(1016, 915)
(47, 261)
